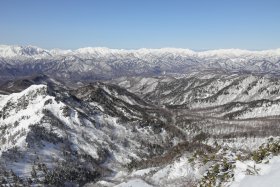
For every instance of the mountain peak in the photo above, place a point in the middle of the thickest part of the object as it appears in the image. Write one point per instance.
(8, 51)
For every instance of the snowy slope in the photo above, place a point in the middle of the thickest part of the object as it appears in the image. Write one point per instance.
(96, 137)
(134, 183)
(21, 117)
(268, 174)
(229, 96)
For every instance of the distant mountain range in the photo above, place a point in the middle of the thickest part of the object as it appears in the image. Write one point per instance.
(88, 64)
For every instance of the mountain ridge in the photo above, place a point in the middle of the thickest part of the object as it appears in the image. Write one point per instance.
(29, 50)
(91, 64)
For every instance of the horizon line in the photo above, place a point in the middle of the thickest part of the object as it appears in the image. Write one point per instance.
(137, 49)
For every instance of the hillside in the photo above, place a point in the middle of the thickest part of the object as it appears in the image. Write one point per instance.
(153, 131)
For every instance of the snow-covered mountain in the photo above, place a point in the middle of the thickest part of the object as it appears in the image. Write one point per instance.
(163, 117)
(153, 131)
(52, 135)
(20, 51)
(230, 96)
(103, 63)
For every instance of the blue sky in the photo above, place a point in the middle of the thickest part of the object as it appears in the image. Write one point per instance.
(196, 24)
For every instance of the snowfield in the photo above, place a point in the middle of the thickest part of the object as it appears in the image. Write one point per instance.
(269, 174)
(134, 183)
